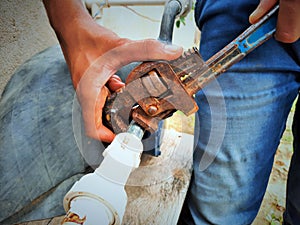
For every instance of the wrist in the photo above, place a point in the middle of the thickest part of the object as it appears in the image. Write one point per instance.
(81, 38)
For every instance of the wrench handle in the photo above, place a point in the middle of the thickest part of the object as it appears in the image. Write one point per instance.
(236, 50)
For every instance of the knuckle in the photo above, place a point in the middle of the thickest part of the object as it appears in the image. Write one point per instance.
(150, 47)
(287, 37)
(266, 5)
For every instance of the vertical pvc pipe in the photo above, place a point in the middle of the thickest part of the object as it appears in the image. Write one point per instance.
(100, 197)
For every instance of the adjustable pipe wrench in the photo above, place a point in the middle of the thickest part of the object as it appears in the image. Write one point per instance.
(154, 90)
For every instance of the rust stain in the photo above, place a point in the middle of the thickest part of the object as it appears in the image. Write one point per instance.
(73, 218)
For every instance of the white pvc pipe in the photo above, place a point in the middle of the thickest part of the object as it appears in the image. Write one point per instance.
(100, 197)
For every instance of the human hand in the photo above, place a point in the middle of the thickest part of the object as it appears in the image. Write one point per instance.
(93, 54)
(288, 23)
(96, 79)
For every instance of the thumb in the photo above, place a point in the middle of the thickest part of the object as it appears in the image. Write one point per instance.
(143, 50)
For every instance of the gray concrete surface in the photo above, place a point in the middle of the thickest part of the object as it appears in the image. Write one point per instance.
(24, 31)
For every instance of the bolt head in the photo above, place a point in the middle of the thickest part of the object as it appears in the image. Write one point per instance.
(152, 109)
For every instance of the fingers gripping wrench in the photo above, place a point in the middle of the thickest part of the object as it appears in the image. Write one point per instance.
(154, 90)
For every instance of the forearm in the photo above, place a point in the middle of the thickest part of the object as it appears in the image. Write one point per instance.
(82, 40)
(66, 15)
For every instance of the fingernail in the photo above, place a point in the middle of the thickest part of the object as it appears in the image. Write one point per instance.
(252, 17)
(172, 48)
(253, 13)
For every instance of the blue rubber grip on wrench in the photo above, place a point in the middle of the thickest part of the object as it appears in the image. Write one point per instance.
(258, 33)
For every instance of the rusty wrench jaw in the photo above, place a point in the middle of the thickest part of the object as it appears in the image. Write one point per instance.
(117, 114)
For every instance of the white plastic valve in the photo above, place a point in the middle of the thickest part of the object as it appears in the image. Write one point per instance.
(100, 197)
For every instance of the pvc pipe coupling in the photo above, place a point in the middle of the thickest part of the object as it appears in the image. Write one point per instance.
(100, 197)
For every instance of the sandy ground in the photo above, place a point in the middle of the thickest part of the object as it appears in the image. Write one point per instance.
(24, 31)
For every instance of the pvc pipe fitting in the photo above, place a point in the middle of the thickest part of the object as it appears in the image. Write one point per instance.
(100, 197)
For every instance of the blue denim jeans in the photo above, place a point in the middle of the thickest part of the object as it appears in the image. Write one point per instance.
(241, 119)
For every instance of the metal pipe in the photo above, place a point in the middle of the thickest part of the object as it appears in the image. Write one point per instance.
(136, 130)
(172, 9)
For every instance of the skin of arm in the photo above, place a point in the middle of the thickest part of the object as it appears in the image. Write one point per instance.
(93, 54)
(288, 23)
